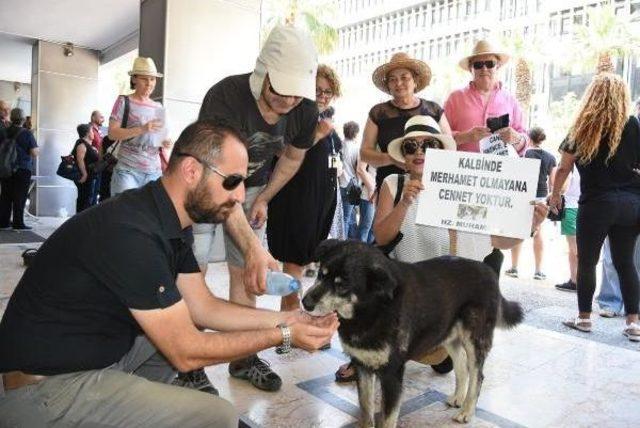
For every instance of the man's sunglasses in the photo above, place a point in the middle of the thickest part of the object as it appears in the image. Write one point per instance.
(410, 146)
(477, 65)
(229, 182)
(273, 91)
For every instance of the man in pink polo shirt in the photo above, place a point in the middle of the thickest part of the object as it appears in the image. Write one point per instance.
(468, 109)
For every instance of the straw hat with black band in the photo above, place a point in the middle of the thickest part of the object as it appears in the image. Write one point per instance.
(421, 71)
(484, 47)
(420, 126)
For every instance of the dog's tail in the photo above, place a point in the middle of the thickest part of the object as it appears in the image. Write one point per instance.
(510, 313)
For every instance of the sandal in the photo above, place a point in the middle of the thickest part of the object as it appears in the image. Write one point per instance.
(346, 373)
(581, 324)
(632, 331)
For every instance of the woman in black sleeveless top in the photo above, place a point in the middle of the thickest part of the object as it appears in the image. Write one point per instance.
(401, 78)
(604, 145)
(86, 157)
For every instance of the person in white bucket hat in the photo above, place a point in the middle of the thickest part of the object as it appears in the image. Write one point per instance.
(137, 121)
(274, 106)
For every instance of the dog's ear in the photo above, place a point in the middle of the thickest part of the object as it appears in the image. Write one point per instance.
(380, 280)
(326, 247)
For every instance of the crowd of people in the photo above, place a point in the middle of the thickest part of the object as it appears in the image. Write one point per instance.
(264, 158)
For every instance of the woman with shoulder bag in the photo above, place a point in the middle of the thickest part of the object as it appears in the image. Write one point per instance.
(86, 156)
(138, 154)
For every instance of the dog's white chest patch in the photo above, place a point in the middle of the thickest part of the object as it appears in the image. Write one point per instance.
(373, 358)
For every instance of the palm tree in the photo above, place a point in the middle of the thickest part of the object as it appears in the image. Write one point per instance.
(315, 16)
(605, 35)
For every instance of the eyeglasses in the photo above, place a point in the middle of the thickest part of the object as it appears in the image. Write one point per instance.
(229, 182)
(477, 65)
(325, 92)
(411, 146)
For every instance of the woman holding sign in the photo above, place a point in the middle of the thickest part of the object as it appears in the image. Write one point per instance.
(398, 204)
(603, 144)
(469, 108)
(139, 123)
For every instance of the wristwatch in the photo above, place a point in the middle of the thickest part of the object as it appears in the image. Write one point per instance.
(286, 339)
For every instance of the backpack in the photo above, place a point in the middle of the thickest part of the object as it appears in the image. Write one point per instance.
(9, 156)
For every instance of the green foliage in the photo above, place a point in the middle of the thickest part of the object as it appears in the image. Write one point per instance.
(315, 16)
(561, 116)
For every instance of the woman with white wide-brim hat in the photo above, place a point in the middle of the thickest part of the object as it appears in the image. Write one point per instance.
(469, 108)
(138, 152)
(402, 77)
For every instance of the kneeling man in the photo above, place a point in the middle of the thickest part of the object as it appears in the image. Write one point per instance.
(114, 304)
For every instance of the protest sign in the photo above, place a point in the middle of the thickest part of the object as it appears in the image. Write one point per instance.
(493, 145)
(480, 193)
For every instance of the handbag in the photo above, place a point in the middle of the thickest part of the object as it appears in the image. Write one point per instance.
(353, 192)
(557, 217)
(110, 157)
(68, 168)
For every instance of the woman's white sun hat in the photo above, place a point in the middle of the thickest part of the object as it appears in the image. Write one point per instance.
(419, 126)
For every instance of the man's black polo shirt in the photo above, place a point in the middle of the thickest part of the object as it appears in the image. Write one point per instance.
(70, 310)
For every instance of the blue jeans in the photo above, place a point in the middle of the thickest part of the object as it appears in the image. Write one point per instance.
(610, 297)
(367, 212)
(125, 179)
(349, 215)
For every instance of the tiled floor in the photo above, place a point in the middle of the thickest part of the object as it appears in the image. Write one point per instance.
(538, 375)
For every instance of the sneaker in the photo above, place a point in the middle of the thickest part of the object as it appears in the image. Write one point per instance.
(606, 313)
(632, 331)
(513, 272)
(257, 371)
(196, 379)
(5, 227)
(539, 276)
(567, 286)
(582, 324)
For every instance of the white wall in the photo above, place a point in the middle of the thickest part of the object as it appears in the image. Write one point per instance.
(15, 60)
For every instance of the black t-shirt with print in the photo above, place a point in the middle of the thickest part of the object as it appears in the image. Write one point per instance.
(601, 176)
(232, 100)
(71, 309)
(547, 163)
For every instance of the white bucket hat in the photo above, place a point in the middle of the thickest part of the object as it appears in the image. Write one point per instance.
(291, 60)
(143, 66)
(419, 126)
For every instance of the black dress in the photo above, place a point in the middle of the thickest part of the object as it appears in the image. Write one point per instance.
(301, 213)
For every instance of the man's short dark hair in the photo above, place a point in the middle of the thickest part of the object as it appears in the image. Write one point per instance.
(204, 139)
(350, 130)
(17, 116)
(537, 135)
(83, 130)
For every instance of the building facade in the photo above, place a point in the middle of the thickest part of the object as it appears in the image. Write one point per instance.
(441, 32)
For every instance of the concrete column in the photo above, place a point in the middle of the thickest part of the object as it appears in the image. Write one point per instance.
(64, 92)
(196, 43)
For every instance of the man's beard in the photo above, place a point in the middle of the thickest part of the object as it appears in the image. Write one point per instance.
(201, 209)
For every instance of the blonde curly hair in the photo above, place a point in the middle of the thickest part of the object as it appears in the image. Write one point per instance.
(332, 77)
(602, 115)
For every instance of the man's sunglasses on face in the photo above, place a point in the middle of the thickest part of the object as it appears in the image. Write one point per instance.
(229, 182)
(477, 65)
(410, 146)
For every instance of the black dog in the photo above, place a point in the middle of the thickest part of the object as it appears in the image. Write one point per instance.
(391, 312)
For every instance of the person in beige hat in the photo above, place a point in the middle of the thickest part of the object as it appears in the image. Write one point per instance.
(402, 77)
(137, 121)
(274, 106)
(469, 108)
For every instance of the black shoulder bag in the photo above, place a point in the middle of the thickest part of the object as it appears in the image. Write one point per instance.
(109, 159)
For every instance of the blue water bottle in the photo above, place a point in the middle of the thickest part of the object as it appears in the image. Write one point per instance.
(281, 284)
